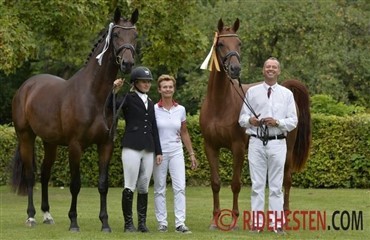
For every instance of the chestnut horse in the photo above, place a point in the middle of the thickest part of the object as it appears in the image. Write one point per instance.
(71, 113)
(220, 113)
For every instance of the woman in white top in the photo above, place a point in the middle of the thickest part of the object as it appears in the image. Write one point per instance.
(171, 123)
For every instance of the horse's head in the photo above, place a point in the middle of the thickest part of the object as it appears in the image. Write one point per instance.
(228, 49)
(124, 37)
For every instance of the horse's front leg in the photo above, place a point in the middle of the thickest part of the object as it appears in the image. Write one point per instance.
(238, 162)
(75, 153)
(105, 154)
(212, 156)
(49, 158)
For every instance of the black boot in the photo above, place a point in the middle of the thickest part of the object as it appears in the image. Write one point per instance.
(142, 206)
(127, 196)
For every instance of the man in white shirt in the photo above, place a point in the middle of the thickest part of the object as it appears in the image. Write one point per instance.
(271, 115)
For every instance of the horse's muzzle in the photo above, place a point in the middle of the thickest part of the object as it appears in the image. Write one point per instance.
(126, 67)
(234, 71)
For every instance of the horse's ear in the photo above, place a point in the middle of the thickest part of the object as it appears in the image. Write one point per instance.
(134, 16)
(117, 15)
(236, 25)
(220, 25)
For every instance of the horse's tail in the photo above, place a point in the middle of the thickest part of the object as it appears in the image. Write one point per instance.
(18, 181)
(302, 144)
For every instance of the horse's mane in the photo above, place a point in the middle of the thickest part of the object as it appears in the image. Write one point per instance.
(103, 33)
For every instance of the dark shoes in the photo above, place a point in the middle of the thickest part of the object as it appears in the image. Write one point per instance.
(182, 229)
(280, 231)
(162, 228)
(255, 230)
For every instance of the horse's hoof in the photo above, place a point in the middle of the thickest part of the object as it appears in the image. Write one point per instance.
(106, 229)
(48, 219)
(74, 229)
(213, 227)
(31, 222)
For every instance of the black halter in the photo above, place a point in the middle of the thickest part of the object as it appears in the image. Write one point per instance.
(116, 112)
(123, 46)
(226, 59)
(262, 130)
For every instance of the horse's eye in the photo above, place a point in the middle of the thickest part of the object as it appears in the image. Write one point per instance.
(220, 45)
(115, 34)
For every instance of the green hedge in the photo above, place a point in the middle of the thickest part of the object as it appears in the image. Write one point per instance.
(340, 153)
(340, 157)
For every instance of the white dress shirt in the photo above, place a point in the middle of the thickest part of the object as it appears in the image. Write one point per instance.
(143, 97)
(280, 106)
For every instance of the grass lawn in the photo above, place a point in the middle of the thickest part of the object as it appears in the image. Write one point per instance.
(199, 213)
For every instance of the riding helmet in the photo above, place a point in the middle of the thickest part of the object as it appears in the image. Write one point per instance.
(141, 73)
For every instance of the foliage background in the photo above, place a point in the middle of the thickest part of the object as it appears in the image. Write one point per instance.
(340, 157)
(322, 43)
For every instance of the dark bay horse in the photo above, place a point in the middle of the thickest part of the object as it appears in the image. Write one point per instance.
(71, 113)
(220, 113)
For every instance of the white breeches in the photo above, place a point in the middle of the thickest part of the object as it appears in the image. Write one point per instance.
(137, 169)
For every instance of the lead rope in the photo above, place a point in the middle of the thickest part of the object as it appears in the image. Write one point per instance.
(262, 130)
(116, 111)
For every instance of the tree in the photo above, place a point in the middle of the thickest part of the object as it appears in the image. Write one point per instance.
(45, 37)
(14, 50)
(54, 35)
(170, 39)
(322, 43)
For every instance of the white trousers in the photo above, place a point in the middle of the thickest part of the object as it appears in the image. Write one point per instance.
(267, 161)
(174, 164)
(137, 169)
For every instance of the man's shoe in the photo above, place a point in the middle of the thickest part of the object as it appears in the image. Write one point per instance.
(255, 230)
(183, 229)
(162, 228)
(280, 231)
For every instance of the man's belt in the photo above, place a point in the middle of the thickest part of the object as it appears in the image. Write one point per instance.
(280, 136)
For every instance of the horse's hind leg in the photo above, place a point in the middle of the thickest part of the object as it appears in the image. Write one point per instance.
(287, 183)
(105, 154)
(26, 151)
(75, 153)
(50, 155)
(212, 156)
